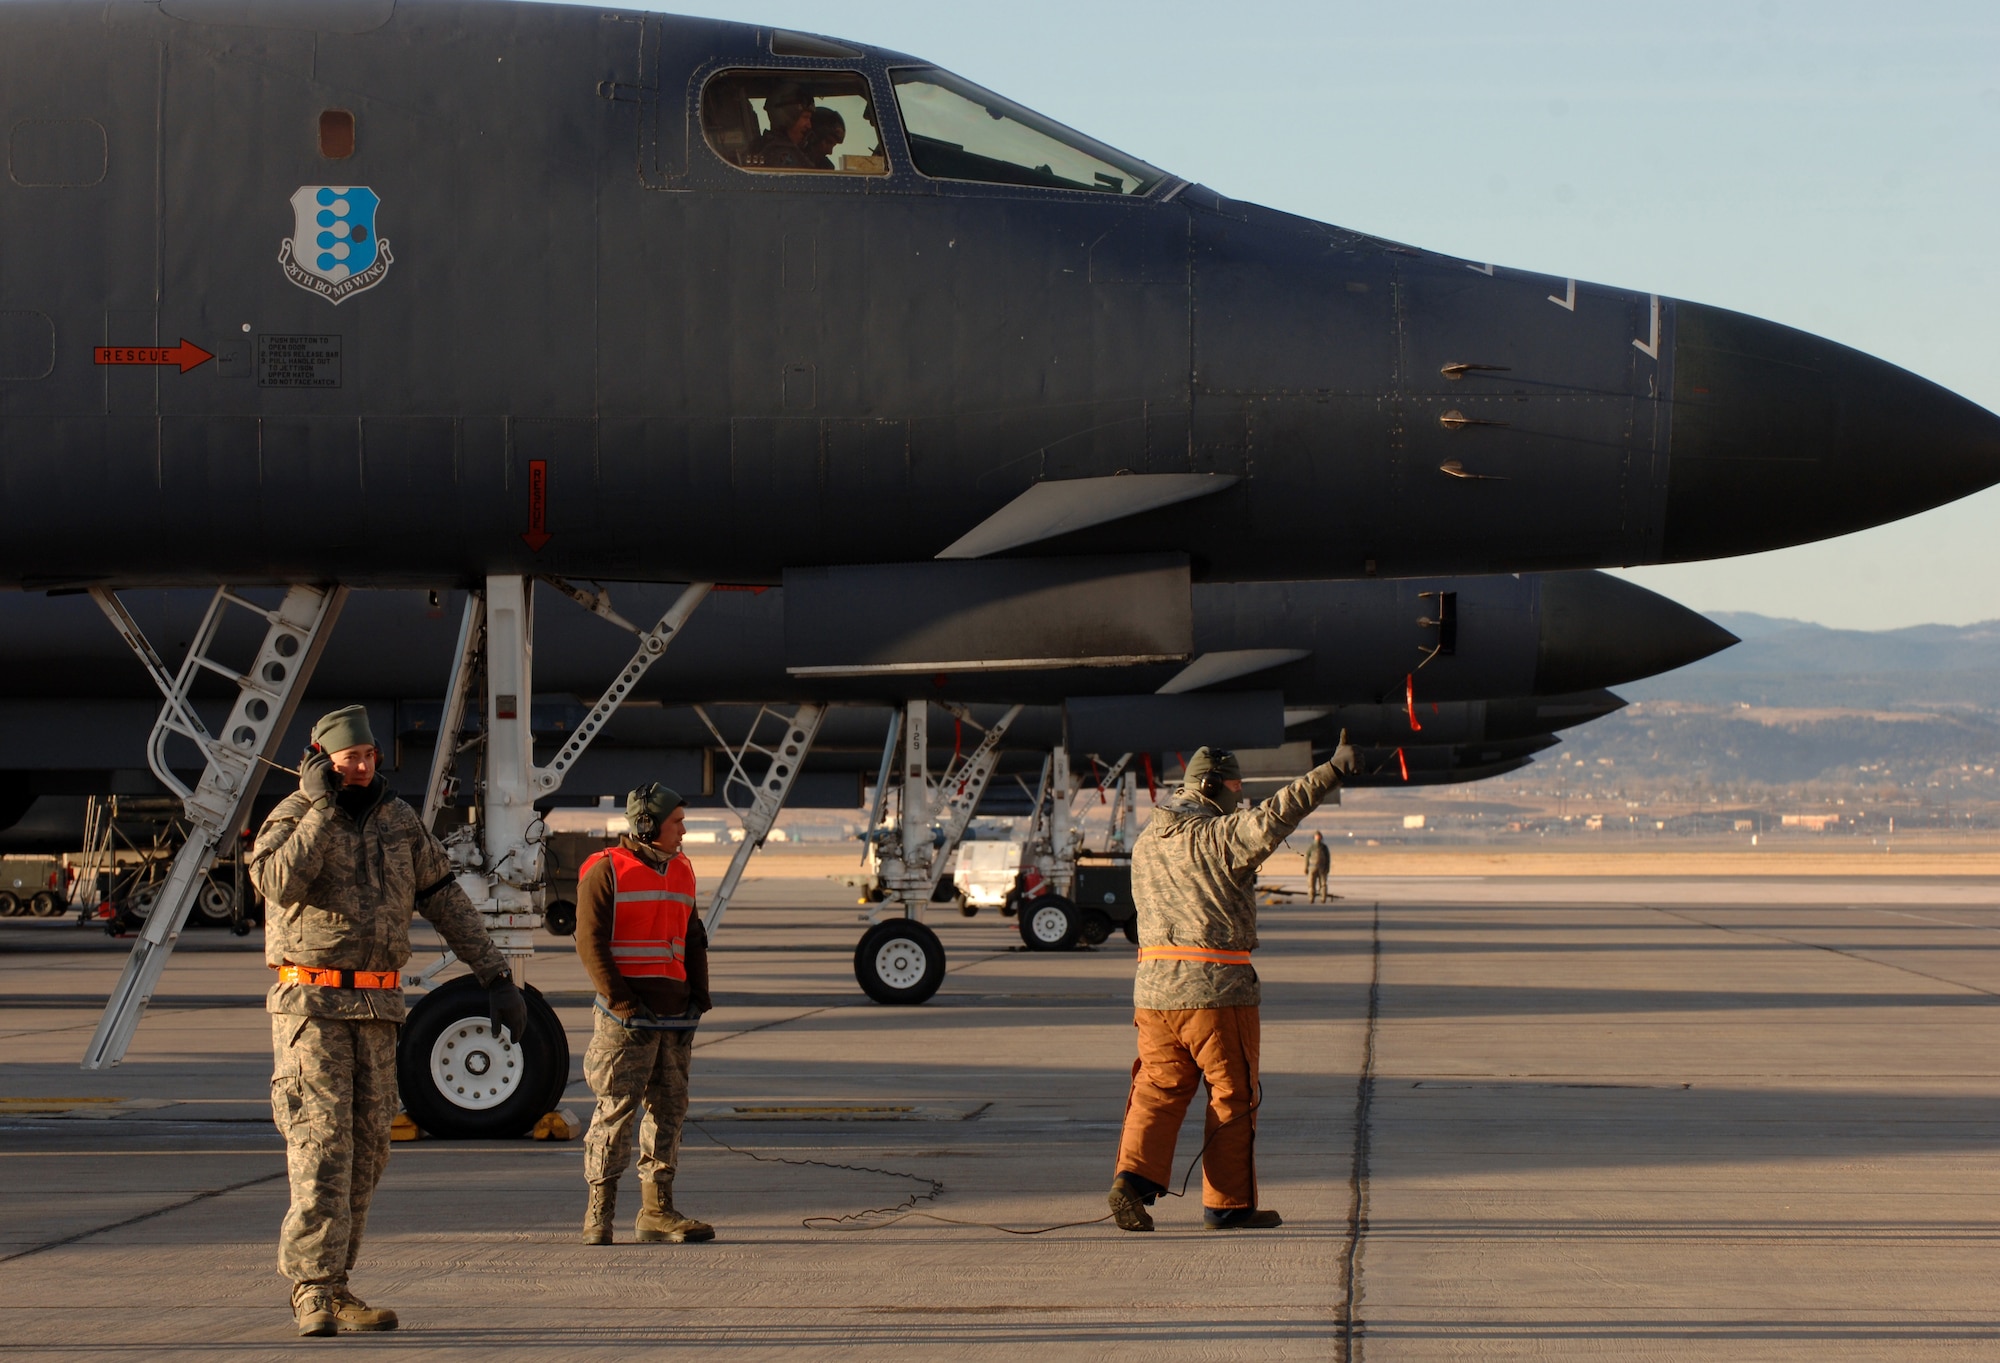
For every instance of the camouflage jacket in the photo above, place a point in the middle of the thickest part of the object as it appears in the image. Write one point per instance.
(1194, 881)
(339, 890)
(1318, 858)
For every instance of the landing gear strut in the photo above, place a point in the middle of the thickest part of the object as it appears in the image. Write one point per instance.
(457, 1077)
(899, 960)
(1054, 911)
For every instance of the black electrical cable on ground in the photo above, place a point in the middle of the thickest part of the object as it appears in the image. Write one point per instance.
(906, 1210)
(935, 1190)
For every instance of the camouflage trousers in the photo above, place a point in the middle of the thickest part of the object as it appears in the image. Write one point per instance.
(333, 1096)
(628, 1070)
(1317, 890)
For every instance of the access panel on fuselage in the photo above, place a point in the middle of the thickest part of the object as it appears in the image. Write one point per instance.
(78, 228)
(1527, 430)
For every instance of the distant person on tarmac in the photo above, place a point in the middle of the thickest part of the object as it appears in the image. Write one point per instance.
(1319, 860)
(342, 865)
(1196, 998)
(645, 950)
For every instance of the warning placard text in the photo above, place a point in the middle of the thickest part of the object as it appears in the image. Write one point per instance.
(298, 361)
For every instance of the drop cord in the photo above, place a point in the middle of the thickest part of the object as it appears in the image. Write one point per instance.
(906, 1210)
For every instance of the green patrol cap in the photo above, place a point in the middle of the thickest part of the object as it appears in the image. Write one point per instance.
(653, 802)
(1217, 762)
(344, 729)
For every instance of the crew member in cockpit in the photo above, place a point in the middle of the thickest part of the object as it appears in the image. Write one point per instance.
(828, 131)
(783, 146)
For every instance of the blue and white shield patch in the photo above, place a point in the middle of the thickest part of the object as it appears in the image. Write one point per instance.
(334, 250)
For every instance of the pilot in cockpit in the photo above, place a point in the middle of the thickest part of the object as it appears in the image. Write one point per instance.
(828, 131)
(782, 147)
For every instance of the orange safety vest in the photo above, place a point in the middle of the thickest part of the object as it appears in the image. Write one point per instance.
(649, 914)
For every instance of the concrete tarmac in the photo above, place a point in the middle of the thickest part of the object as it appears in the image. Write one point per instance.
(1520, 1118)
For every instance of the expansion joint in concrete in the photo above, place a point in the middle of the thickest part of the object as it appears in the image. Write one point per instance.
(1350, 1328)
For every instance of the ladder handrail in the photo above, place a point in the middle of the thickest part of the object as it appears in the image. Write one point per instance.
(294, 637)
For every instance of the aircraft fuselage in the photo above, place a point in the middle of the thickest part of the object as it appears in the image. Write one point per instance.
(579, 339)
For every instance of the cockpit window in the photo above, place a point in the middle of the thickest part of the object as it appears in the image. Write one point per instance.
(784, 44)
(960, 132)
(799, 121)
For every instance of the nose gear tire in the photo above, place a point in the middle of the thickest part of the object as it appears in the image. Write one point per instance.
(899, 961)
(1050, 923)
(560, 918)
(459, 1080)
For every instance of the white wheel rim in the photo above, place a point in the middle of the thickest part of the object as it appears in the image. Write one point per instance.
(1049, 924)
(140, 905)
(472, 1068)
(900, 963)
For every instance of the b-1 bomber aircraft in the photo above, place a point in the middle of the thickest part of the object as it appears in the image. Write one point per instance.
(435, 293)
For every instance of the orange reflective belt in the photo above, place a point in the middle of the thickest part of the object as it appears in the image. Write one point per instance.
(1204, 955)
(338, 979)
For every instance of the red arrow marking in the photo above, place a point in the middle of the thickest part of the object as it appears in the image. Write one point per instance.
(187, 355)
(538, 504)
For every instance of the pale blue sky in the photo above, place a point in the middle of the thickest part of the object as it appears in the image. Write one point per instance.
(1833, 166)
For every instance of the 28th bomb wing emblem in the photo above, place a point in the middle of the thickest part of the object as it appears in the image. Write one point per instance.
(334, 250)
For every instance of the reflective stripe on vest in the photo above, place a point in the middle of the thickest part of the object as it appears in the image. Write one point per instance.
(1201, 955)
(638, 896)
(650, 909)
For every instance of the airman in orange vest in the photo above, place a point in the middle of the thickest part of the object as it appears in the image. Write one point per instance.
(643, 946)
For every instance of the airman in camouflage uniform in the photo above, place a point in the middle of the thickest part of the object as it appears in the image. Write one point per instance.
(1194, 881)
(342, 865)
(1319, 861)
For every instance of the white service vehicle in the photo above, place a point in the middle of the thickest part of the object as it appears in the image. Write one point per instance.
(987, 872)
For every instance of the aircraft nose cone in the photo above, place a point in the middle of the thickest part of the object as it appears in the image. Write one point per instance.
(1598, 630)
(1780, 437)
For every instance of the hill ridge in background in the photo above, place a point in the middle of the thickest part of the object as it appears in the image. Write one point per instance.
(1800, 712)
(1784, 662)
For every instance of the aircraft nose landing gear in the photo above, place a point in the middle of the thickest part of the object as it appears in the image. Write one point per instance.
(457, 1077)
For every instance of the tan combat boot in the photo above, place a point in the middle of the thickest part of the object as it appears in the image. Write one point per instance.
(658, 1221)
(312, 1308)
(354, 1314)
(597, 1219)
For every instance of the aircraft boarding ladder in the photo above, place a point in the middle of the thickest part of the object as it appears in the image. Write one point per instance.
(267, 695)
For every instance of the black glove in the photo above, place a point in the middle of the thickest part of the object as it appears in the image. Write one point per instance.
(1345, 760)
(508, 1008)
(317, 778)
